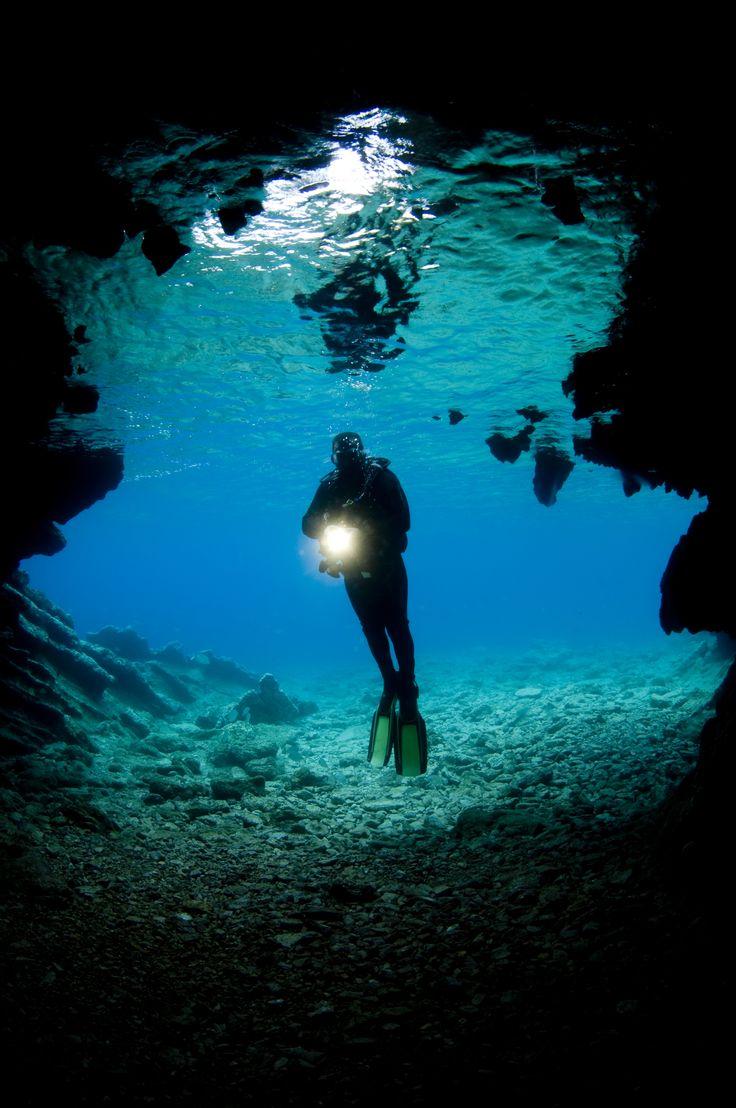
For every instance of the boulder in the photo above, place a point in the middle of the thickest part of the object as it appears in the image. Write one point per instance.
(268, 704)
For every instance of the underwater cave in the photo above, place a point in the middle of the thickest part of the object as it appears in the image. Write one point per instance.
(210, 894)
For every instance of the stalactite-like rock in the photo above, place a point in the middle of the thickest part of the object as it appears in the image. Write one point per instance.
(551, 469)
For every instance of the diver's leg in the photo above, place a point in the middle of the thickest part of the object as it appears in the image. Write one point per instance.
(367, 607)
(397, 622)
(397, 625)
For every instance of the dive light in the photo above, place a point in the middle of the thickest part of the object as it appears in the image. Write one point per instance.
(338, 540)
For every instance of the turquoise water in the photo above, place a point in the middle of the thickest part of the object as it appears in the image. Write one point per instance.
(394, 273)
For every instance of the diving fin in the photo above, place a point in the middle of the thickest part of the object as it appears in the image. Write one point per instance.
(382, 732)
(410, 746)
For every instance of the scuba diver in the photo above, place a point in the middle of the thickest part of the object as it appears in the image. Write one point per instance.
(360, 516)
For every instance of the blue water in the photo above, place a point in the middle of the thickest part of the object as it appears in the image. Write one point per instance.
(226, 378)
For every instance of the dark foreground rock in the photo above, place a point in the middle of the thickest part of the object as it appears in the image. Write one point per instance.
(177, 963)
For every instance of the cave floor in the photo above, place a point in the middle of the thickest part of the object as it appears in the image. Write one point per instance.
(508, 924)
(184, 967)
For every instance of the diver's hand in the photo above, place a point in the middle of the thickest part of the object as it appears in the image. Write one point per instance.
(325, 522)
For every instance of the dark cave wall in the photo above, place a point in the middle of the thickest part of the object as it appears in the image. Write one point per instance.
(661, 400)
(59, 195)
(660, 395)
(48, 480)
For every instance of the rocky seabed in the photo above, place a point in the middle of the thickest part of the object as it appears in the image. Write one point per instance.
(200, 908)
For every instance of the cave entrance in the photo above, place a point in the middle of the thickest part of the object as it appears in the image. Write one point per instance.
(387, 274)
(252, 895)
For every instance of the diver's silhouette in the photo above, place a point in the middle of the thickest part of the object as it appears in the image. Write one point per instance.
(358, 320)
(360, 515)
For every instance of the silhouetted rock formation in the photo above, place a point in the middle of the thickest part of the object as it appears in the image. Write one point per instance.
(531, 413)
(670, 401)
(551, 469)
(163, 247)
(51, 482)
(631, 483)
(509, 448)
(80, 398)
(561, 195)
(232, 218)
(699, 583)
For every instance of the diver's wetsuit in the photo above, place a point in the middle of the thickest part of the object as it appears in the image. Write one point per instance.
(373, 500)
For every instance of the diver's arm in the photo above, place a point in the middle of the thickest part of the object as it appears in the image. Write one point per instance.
(395, 519)
(401, 513)
(314, 518)
(396, 504)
